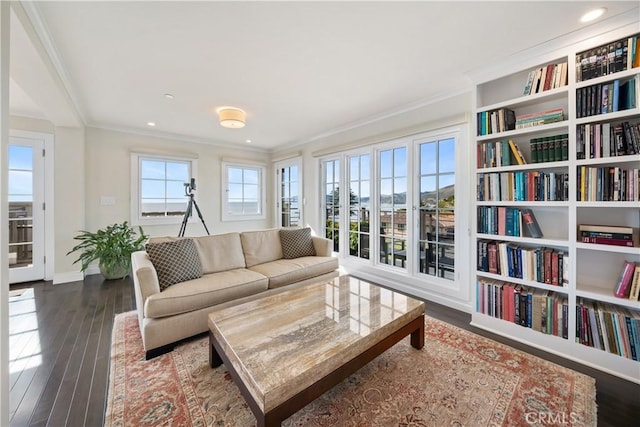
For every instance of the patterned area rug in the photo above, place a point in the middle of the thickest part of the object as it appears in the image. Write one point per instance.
(457, 379)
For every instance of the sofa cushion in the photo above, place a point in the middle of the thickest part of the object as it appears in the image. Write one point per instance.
(296, 243)
(286, 271)
(207, 291)
(174, 261)
(220, 252)
(261, 246)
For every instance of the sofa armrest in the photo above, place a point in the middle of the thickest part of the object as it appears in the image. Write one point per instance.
(322, 246)
(145, 280)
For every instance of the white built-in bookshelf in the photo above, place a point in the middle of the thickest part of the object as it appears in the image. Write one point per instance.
(580, 277)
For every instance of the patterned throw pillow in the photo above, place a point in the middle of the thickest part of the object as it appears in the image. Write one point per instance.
(296, 243)
(175, 261)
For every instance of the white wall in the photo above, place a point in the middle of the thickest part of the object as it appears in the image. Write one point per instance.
(69, 204)
(108, 174)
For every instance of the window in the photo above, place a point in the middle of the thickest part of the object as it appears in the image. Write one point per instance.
(243, 192)
(436, 222)
(359, 205)
(392, 206)
(289, 187)
(331, 192)
(158, 190)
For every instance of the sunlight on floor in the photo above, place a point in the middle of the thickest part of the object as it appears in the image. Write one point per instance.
(24, 337)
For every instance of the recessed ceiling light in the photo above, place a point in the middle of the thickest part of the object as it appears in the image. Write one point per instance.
(593, 14)
(248, 141)
(168, 96)
(152, 124)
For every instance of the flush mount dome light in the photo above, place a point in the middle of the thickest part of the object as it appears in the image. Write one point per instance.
(231, 117)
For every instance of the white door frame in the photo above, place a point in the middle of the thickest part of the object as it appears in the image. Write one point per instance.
(47, 140)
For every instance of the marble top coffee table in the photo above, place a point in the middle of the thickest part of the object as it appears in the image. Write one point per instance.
(284, 350)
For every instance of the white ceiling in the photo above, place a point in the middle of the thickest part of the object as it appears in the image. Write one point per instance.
(299, 69)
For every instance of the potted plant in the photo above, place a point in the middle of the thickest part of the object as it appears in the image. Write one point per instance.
(112, 247)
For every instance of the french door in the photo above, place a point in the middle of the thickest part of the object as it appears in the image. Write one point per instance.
(289, 193)
(26, 182)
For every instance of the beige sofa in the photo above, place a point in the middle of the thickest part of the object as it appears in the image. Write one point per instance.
(235, 267)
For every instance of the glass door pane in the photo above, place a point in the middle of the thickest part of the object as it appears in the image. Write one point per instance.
(20, 196)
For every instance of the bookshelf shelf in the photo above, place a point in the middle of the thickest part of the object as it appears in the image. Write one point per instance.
(592, 270)
(559, 242)
(608, 248)
(556, 204)
(559, 94)
(529, 283)
(607, 205)
(631, 158)
(528, 166)
(622, 75)
(607, 117)
(593, 293)
(533, 130)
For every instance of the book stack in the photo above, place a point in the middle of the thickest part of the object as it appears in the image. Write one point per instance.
(495, 121)
(542, 265)
(607, 235)
(523, 186)
(494, 154)
(628, 284)
(539, 118)
(608, 327)
(613, 57)
(505, 221)
(608, 184)
(598, 140)
(545, 78)
(538, 309)
(608, 97)
(550, 148)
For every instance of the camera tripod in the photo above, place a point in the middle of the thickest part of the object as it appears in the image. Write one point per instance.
(189, 191)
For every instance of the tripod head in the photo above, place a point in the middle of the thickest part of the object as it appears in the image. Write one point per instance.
(190, 188)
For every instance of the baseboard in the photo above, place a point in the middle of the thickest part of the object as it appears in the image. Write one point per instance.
(92, 269)
(71, 276)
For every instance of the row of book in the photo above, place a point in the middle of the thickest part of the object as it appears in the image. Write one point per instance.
(540, 264)
(495, 121)
(607, 97)
(608, 235)
(628, 285)
(545, 78)
(607, 184)
(607, 327)
(597, 140)
(539, 118)
(499, 153)
(523, 186)
(541, 310)
(506, 221)
(550, 148)
(613, 57)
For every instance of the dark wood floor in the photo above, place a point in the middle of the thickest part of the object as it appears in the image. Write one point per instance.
(60, 339)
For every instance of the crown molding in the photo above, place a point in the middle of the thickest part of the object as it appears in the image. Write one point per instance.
(29, 10)
(176, 137)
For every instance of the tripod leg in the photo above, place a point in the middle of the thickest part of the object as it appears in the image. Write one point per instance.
(185, 219)
(200, 216)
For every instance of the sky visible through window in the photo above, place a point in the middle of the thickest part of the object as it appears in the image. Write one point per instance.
(20, 174)
(162, 188)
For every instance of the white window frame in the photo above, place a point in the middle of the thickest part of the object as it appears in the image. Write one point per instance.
(136, 183)
(226, 214)
(278, 166)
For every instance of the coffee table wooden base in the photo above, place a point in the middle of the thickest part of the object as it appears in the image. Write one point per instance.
(306, 396)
